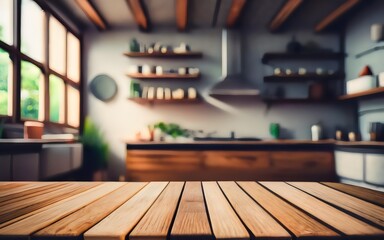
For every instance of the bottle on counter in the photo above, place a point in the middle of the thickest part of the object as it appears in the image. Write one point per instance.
(316, 132)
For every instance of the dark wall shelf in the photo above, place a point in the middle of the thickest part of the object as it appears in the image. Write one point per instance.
(301, 78)
(302, 56)
(164, 55)
(163, 76)
(298, 100)
(364, 94)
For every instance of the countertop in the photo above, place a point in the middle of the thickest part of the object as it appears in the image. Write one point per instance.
(329, 144)
(189, 210)
(21, 145)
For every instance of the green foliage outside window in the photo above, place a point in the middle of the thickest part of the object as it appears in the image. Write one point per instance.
(4, 66)
(56, 90)
(30, 79)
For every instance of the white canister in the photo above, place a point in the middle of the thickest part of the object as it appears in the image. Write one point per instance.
(377, 31)
(316, 132)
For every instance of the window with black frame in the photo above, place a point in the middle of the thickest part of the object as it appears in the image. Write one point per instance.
(39, 65)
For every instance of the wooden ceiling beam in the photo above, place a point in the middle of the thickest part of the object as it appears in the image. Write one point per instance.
(92, 14)
(181, 14)
(234, 12)
(285, 12)
(336, 14)
(139, 14)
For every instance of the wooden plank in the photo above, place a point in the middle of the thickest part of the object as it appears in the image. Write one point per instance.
(234, 12)
(136, 7)
(191, 220)
(15, 197)
(29, 205)
(17, 188)
(224, 221)
(80, 221)
(369, 195)
(92, 14)
(257, 220)
(285, 12)
(120, 222)
(352, 204)
(25, 227)
(181, 14)
(340, 220)
(157, 221)
(296, 221)
(336, 14)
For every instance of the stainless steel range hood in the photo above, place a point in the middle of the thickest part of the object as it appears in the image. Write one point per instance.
(233, 83)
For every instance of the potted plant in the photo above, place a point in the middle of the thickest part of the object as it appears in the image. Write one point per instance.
(95, 151)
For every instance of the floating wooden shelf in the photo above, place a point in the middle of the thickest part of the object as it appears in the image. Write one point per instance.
(368, 93)
(152, 101)
(302, 56)
(164, 55)
(300, 78)
(163, 76)
(298, 100)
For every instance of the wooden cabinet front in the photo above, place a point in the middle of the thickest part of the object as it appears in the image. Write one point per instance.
(159, 165)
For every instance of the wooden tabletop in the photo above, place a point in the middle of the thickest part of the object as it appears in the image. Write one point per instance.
(189, 210)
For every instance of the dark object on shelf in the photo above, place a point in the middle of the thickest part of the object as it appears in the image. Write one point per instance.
(103, 87)
(366, 71)
(134, 46)
(316, 91)
(302, 56)
(306, 77)
(280, 92)
(226, 139)
(293, 46)
(163, 76)
(152, 101)
(376, 131)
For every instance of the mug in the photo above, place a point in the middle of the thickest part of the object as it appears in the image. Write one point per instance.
(274, 130)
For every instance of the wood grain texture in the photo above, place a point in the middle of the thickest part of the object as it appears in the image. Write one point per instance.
(191, 220)
(234, 12)
(31, 224)
(224, 221)
(328, 214)
(352, 204)
(157, 221)
(14, 188)
(92, 14)
(336, 14)
(296, 221)
(237, 159)
(284, 13)
(26, 206)
(30, 192)
(257, 220)
(120, 222)
(136, 7)
(181, 14)
(78, 222)
(369, 195)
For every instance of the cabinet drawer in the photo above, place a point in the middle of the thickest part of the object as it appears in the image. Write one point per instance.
(163, 160)
(350, 165)
(301, 160)
(374, 166)
(236, 159)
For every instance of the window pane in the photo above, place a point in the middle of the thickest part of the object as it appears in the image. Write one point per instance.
(73, 106)
(32, 92)
(73, 69)
(57, 33)
(32, 30)
(5, 84)
(6, 21)
(56, 99)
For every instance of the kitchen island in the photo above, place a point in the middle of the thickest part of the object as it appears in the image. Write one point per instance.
(295, 160)
(189, 210)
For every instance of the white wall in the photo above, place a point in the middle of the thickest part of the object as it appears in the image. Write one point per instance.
(121, 118)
